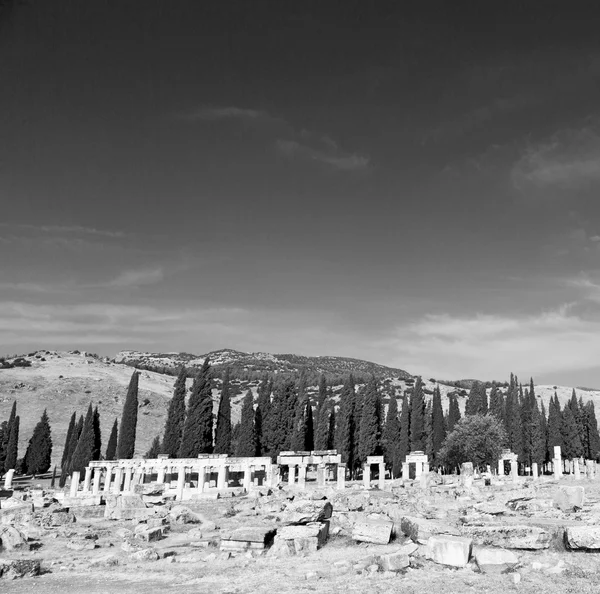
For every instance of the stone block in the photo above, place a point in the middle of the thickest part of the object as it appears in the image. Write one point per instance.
(148, 534)
(393, 561)
(583, 537)
(126, 507)
(509, 536)
(180, 514)
(18, 568)
(247, 538)
(370, 530)
(495, 560)
(318, 530)
(306, 510)
(12, 539)
(419, 530)
(145, 555)
(569, 498)
(454, 551)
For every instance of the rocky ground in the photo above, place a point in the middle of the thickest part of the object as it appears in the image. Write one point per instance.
(541, 536)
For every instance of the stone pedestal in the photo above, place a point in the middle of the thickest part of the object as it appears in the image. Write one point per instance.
(222, 477)
(74, 483)
(534, 471)
(87, 481)
(367, 476)
(341, 476)
(557, 465)
(576, 470)
(321, 475)
(514, 470)
(96, 484)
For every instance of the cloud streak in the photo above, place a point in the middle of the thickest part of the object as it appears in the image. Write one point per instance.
(326, 154)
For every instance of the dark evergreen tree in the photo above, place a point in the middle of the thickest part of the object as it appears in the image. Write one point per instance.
(223, 429)
(111, 448)
(175, 417)
(246, 439)
(281, 418)
(12, 446)
(96, 454)
(65, 454)
(39, 451)
(85, 445)
(309, 432)
(570, 435)
(261, 415)
(369, 437)
(6, 438)
(544, 430)
(404, 438)
(474, 404)
(554, 433)
(299, 428)
(582, 424)
(323, 423)
(484, 400)
(155, 448)
(71, 446)
(127, 430)
(593, 438)
(453, 413)
(496, 403)
(331, 435)
(429, 430)
(198, 426)
(3, 444)
(346, 425)
(513, 422)
(438, 430)
(391, 434)
(417, 418)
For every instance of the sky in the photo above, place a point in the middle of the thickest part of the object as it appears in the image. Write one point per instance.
(417, 187)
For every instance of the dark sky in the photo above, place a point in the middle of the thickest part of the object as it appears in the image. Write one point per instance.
(415, 186)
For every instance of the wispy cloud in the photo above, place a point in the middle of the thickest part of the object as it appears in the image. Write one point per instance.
(328, 154)
(568, 160)
(65, 230)
(227, 113)
(137, 278)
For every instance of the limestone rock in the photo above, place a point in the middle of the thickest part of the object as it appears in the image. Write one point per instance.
(82, 545)
(449, 550)
(568, 498)
(393, 561)
(491, 560)
(306, 510)
(145, 555)
(371, 530)
(318, 530)
(247, 538)
(18, 568)
(12, 539)
(148, 534)
(180, 514)
(583, 537)
(509, 536)
(419, 530)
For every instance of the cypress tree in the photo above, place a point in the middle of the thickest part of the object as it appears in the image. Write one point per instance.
(246, 442)
(71, 446)
(474, 405)
(322, 394)
(12, 446)
(496, 403)
(453, 413)
(404, 438)
(369, 437)
(223, 430)
(111, 448)
(543, 431)
(175, 417)
(155, 448)
(3, 443)
(85, 446)
(428, 430)
(261, 415)
(198, 426)
(554, 434)
(438, 429)
(593, 439)
(6, 438)
(417, 418)
(331, 435)
(391, 434)
(583, 427)
(39, 451)
(570, 435)
(323, 423)
(346, 425)
(484, 400)
(65, 454)
(96, 454)
(127, 430)
(309, 444)
(300, 425)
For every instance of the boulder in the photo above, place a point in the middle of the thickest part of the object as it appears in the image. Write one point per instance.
(509, 536)
(306, 510)
(569, 499)
(583, 537)
(149, 534)
(18, 568)
(377, 531)
(180, 514)
(491, 560)
(318, 530)
(449, 550)
(12, 539)
(419, 530)
(145, 555)
(393, 561)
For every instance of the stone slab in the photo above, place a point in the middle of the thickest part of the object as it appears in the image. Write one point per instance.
(491, 560)
(454, 551)
(370, 530)
(515, 536)
(583, 537)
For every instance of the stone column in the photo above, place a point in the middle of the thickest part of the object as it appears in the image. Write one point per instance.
(576, 469)
(118, 478)
(321, 469)
(418, 470)
(127, 484)
(367, 476)
(180, 483)
(557, 462)
(302, 476)
(514, 470)
(87, 481)
(107, 480)
(200, 484)
(247, 478)
(341, 476)
(381, 476)
(222, 477)
(8, 479)
(405, 471)
(501, 467)
(97, 477)
(74, 483)
(160, 477)
(275, 475)
(291, 474)
(534, 470)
